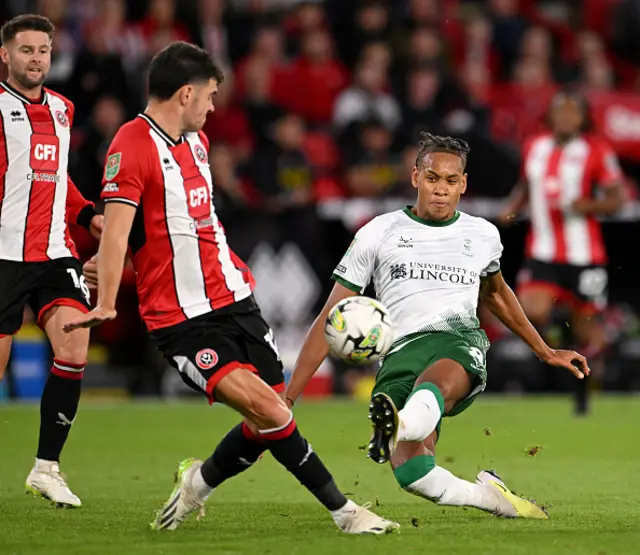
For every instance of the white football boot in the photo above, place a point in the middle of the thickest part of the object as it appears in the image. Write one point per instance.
(183, 499)
(354, 519)
(510, 505)
(46, 480)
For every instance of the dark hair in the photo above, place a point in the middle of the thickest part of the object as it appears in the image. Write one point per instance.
(577, 97)
(177, 65)
(435, 143)
(26, 22)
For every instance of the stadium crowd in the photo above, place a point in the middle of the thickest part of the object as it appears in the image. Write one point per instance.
(324, 100)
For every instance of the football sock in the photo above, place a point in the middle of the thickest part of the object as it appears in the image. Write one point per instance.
(58, 407)
(421, 413)
(421, 476)
(293, 452)
(237, 451)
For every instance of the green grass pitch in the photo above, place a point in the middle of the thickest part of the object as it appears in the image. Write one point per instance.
(121, 459)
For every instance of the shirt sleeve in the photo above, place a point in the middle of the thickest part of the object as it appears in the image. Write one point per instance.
(355, 269)
(495, 253)
(123, 179)
(79, 210)
(607, 169)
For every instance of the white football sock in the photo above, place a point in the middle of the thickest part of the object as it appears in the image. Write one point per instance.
(443, 488)
(202, 489)
(419, 417)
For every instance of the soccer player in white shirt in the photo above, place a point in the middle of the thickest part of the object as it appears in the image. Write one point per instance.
(430, 264)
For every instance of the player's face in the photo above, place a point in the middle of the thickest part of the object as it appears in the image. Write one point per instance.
(199, 104)
(440, 181)
(28, 57)
(566, 118)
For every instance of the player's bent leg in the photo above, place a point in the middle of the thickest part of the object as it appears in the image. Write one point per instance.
(58, 405)
(277, 432)
(438, 389)
(5, 353)
(416, 471)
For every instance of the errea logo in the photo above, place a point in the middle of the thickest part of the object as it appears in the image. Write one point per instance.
(405, 242)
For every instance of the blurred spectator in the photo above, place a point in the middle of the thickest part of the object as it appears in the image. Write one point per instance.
(88, 167)
(537, 45)
(367, 98)
(266, 57)
(111, 28)
(476, 50)
(229, 123)
(261, 110)
(508, 28)
(231, 194)
(532, 73)
(306, 18)
(316, 79)
(425, 47)
(161, 26)
(371, 24)
(419, 112)
(423, 12)
(210, 31)
(281, 171)
(378, 53)
(98, 71)
(373, 168)
(64, 43)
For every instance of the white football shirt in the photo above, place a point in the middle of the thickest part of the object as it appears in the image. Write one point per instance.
(426, 273)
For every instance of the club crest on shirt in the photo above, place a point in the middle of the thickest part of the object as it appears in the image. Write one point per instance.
(112, 166)
(467, 247)
(62, 118)
(200, 154)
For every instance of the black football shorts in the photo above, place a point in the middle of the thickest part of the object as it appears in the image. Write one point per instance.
(206, 348)
(41, 285)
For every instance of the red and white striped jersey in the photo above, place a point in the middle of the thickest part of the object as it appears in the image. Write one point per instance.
(36, 195)
(557, 176)
(179, 249)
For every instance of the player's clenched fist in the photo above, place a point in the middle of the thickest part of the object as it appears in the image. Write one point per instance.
(90, 272)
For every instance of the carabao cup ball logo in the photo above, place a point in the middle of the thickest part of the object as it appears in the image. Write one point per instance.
(200, 153)
(206, 359)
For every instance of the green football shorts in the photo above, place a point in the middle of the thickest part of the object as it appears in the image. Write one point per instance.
(400, 369)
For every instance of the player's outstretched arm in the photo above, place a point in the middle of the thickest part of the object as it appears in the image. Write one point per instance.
(315, 347)
(516, 203)
(498, 297)
(118, 219)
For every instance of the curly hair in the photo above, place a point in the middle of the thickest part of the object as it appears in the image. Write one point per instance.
(436, 143)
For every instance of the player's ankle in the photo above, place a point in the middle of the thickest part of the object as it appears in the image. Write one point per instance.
(201, 488)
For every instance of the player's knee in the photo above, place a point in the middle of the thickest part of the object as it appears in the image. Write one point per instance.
(73, 348)
(267, 411)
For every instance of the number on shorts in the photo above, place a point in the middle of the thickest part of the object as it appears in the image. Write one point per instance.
(271, 340)
(79, 282)
(592, 283)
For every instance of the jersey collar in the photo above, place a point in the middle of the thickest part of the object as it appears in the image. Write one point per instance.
(163, 134)
(22, 98)
(409, 212)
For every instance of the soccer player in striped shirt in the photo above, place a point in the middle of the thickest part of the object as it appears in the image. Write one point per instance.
(39, 264)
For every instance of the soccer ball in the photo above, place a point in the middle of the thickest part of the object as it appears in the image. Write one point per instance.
(359, 330)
